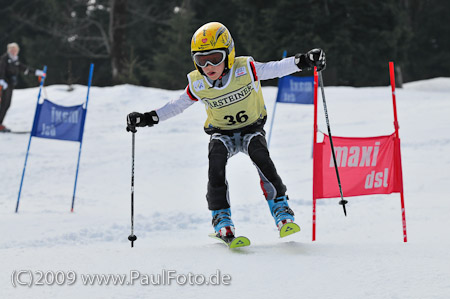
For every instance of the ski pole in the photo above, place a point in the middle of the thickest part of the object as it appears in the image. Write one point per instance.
(343, 201)
(132, 237)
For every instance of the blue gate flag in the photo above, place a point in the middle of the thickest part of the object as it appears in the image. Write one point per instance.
(53, 121)
(59, 122)
(296, 90)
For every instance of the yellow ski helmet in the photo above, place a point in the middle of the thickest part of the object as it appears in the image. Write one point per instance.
(213, 36)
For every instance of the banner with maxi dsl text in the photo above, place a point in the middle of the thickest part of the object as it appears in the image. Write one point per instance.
(59, 122)
(366, 166)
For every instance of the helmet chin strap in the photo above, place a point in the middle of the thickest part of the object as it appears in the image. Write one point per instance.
(225, 71)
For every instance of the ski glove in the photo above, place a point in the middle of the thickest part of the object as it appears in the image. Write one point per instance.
(39, 73)
(314, 57)
(136, 119)
(3, 84)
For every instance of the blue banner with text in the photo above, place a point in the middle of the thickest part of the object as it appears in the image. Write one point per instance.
(59, 122)
(296, 90)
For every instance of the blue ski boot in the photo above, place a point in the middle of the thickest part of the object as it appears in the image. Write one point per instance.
(280, 211)
(223, 225)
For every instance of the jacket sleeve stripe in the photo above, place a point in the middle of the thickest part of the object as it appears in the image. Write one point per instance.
(189, 93)
(252, 66)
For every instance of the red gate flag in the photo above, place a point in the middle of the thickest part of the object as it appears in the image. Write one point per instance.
(369, 165)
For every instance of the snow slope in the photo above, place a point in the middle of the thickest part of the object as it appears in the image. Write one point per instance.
(359, 256)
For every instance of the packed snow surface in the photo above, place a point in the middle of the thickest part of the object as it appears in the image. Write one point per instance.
(359, 256)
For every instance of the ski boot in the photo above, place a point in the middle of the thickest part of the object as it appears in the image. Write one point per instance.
(224, 230)
(4, 129)
(283, 216)
(223, 225)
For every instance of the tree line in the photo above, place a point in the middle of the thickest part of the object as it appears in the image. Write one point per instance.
(147, 43)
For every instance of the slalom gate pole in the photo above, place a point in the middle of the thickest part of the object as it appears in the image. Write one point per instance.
(91, 72)
(273, 118)
(132, 237)
(31, 135)
(396, 126)
(316, 83)
(342, 201)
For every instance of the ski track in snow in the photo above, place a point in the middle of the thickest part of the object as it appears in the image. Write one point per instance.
(359, 256)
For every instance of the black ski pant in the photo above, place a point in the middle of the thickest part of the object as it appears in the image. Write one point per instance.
(271, 183)
(5, 102)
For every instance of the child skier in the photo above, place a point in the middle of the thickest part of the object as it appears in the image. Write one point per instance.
(230, 88)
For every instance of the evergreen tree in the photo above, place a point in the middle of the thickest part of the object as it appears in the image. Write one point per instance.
(428, 49)
(173, 60)
(149, 45)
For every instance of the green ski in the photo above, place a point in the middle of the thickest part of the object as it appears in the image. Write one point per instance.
(289, 229)
(233, 242)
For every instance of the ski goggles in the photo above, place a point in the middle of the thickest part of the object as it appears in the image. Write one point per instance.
(214, 58)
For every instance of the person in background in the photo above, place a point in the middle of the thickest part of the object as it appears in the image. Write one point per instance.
(10, 68)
